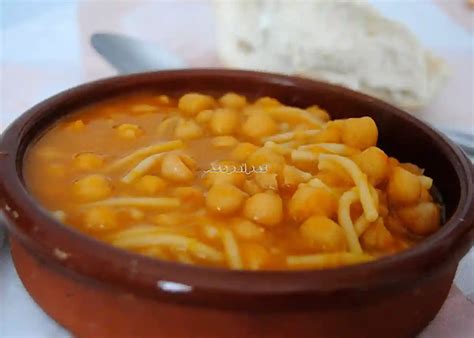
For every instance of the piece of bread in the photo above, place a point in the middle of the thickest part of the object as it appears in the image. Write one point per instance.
(347, 43)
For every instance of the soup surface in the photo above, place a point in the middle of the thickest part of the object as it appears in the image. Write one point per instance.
(230, 183)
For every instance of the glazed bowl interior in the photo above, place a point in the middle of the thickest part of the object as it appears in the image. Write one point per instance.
(400, 135)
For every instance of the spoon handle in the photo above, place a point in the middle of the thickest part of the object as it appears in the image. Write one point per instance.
(464, 139)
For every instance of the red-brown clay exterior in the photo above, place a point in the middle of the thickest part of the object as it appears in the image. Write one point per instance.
(96, 290)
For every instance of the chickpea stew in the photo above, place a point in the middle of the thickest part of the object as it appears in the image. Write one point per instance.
(227, 182)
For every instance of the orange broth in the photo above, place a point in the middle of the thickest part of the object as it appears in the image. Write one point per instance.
(285, 209)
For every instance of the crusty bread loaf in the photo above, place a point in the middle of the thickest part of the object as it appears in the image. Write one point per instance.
(347, 43)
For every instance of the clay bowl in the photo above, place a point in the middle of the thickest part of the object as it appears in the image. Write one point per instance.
(95, 290)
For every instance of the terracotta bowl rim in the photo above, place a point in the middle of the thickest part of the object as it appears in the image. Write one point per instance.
(68, 248)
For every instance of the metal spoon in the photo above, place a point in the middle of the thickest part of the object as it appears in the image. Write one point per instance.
(129, 55)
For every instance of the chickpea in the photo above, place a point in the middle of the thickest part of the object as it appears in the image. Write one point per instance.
(92, 188)
(100, 218)
(360, 133)
(264, 208)
(377, 237)
(251, 109)
(224, 141)
(150, 185)
(233, 100)
(193, 103)
(304, 160)
(254, 256)
(188, 161)
(422, 219)
(284, 149)
(224, 199)
(331, 134)
(308, 201)
(374, 163)
(292, 176)
(88, 161)
(267, 102)
(144, 108)
(330, 179)
(243, 150)
(129, 131)
(219, 177)
(247, 230)
(173, 169)
(204, 116)
(259, 125)
(213, 178)
(262, 157)
(337, 124)
(393, 163)
(319, 113)
(251, 187)
(224, 121)
(163, 99)
(187, 129)
(403, 187)
(167, 126)
(76, 126)
(323, 234)
(267, 181)
(425, 196)
(189, 196)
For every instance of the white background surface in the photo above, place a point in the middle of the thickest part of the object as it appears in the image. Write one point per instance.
(44, 50)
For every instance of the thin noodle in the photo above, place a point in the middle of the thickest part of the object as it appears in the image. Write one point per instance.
(335, 148)
(426, 182)
(285, 137)
(146, 151)
(317, 183)
(360, 180)
(281, 149)
(361, 224)
(326, 260)
(192, 245)
(231, 249)
(162, 203)
(143, 230)
(303, 155)
(305, 176)
(142, 168)
(344, 218)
